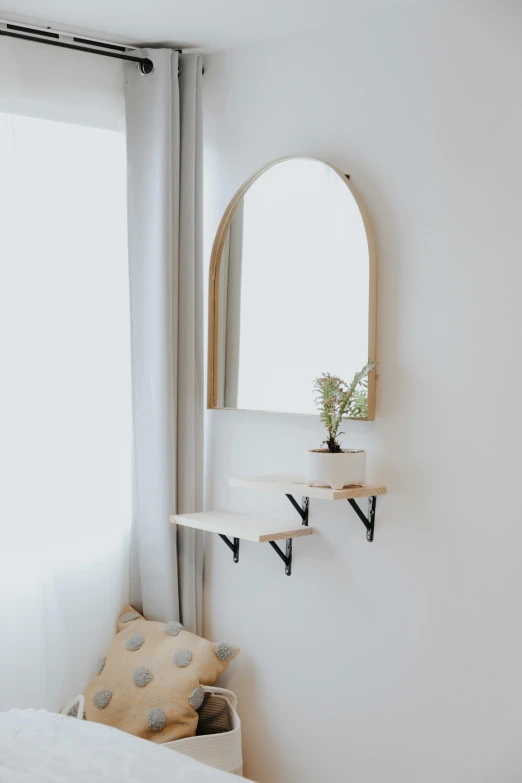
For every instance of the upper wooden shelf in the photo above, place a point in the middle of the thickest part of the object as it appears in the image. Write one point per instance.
(245, 526)
(296, 485)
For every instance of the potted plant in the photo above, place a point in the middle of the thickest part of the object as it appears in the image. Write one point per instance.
(334, 466)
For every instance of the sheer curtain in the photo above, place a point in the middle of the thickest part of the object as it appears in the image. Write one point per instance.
(166, 283)
(65, 417)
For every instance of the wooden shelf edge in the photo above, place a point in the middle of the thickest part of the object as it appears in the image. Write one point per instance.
(242, 526)
(295, 485)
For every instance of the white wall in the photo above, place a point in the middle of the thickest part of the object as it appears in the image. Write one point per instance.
(397, 661)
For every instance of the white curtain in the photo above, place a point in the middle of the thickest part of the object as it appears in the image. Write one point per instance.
(65, 419)
(164, 150)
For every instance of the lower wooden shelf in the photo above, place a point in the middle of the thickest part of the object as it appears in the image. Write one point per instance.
(247, 527)
(238, 525)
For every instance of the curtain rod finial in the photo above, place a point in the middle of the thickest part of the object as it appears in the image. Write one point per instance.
(146, 67)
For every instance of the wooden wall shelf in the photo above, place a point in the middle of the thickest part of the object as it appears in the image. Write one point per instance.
(296, 485)
(244, 526)
(292, 485)
(236, 526)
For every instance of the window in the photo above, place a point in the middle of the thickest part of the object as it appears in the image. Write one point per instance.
(65, 413)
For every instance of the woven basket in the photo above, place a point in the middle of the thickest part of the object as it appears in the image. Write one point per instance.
(218, 739)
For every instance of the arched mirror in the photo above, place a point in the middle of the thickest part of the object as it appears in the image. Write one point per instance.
(292, 290)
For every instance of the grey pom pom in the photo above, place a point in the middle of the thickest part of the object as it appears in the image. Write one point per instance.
(134, 642)
(128, 616)
(156, 719)
(224, 651)
(101, 666)
(173, 627)
(141, 676)
(182, 658)
(101, 699)
(196, 698)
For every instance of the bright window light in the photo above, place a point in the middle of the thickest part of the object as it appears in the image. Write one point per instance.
(65, 414)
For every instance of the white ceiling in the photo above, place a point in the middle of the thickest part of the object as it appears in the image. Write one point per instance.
(202, 24)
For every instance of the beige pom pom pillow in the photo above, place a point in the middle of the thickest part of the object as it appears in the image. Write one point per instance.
(150, 682)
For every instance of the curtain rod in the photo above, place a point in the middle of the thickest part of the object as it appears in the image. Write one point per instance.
(118, 52)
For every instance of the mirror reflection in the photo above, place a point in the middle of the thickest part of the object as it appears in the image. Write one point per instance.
(293, 290)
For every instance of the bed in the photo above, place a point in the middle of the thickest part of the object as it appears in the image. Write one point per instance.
(36, 745)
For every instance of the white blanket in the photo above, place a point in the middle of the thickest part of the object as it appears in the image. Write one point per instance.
(41, 746)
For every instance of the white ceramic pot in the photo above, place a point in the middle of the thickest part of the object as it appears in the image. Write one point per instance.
(345, 469)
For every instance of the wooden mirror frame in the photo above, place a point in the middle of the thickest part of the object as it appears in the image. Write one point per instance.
(213, 289)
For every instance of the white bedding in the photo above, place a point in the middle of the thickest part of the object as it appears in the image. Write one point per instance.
(42, 746)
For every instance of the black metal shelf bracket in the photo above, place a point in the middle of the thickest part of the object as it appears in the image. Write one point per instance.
(302, 509)
(233, 546)
(369, 523)
(287, 559)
